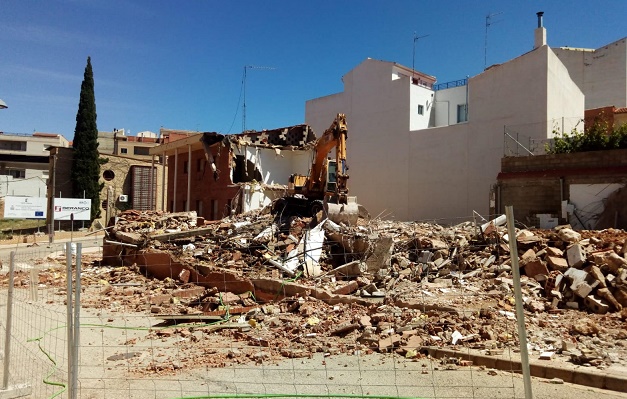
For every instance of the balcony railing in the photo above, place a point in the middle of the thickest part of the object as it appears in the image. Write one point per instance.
(451, 84)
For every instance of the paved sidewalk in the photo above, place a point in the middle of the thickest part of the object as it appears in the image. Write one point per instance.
(613, 378)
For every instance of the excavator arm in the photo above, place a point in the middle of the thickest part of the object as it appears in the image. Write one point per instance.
(325, 188)
(334, 137)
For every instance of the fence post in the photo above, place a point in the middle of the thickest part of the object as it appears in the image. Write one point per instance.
(17, 390)
(7, 336)
(520, 315)
(69, 324)
(77, 315)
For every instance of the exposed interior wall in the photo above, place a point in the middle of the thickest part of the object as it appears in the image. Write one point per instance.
(276, 166)
(255, 196)
(589, 203)
(539, 184)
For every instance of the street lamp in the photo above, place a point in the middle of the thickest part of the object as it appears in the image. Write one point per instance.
(3, 105)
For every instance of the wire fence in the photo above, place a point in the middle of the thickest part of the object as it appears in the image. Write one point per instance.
(439, 335)
(536, 138)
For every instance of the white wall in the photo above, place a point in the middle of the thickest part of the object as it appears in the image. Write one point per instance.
(377, 115)
(443, 173)
(33, 186)
(601, 74)
(419, 95)
(565, 100)
(446, 102)
(277, 168)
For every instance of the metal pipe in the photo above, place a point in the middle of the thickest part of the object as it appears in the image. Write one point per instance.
(176, 171)
(520, 315)
(70, 330)
(164, 160)
(76, 326)
(189, 177)
(7, 336)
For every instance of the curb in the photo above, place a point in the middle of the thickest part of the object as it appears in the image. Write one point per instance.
(579, 377)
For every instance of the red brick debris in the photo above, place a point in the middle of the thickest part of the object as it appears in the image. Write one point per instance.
(257, 289)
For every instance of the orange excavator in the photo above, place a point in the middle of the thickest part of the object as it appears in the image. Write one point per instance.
(325, 188)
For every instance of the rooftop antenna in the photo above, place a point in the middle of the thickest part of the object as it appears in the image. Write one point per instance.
(488, 22)
(246, 68)
(413, 56)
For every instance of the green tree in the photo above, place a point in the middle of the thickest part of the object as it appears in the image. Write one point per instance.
(86, 165)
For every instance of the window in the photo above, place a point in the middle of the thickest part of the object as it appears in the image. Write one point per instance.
(421, 109)
(185, 167)
(200, 165)
(141, 150)
(13, 145)
(123, 150)
(462, 113)
(15, 173)
(108, 175)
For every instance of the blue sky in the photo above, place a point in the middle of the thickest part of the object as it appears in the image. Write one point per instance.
(179, 64)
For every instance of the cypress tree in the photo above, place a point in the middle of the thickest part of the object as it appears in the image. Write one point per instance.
(86, 164)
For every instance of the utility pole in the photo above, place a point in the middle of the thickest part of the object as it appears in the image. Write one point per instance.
(488, 23)
(246, 68)
(413, 56)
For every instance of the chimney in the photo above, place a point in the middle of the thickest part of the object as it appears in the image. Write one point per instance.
(540, 32)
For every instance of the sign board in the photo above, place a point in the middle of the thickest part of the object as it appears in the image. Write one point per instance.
(72, 209)
(25, 207)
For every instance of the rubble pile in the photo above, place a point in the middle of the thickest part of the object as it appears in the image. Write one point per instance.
(301, 286)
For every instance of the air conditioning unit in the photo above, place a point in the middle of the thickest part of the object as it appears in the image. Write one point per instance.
(123, 198)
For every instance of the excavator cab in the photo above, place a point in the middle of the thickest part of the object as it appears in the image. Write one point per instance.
(331, 176)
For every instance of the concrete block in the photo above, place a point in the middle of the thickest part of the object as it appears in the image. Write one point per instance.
(576, 256)
(529, 255)
(569, 235)
(597, 305)
(576, 277)
(556, 263)
(582, 290)
(552, 251)
(347, 289)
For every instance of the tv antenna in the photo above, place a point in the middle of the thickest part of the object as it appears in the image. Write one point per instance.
(488, 23)
(413, 56)
(246, 68)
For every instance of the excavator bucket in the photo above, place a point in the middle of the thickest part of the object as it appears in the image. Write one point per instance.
(343, 213)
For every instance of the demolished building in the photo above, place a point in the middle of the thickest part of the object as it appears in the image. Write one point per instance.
(216, 175)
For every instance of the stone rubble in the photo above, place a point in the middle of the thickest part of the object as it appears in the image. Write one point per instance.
(380, 286)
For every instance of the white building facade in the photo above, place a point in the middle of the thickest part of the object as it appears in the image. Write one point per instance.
(441, 165)
(599, 73)
(24, 163)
